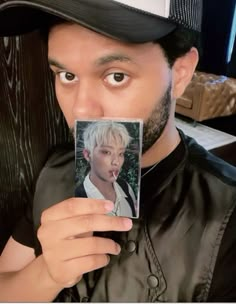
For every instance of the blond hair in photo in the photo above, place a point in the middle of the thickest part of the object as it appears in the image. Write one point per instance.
(105, 132)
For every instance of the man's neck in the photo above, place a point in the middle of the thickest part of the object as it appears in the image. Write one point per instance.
(167, 142)
(106, 188)
(101, 184)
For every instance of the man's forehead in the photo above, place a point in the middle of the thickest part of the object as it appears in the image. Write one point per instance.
(77, 36)
(113, 145)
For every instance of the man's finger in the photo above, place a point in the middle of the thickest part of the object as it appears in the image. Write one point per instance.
(70, 228)
(74, 207)
(73, 249)
(71, 271)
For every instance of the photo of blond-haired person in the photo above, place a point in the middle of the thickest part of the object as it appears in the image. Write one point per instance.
(104, 147)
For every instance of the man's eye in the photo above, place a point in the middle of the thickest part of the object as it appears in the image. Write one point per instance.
(105, 152)
(66, 77)
(116, 79)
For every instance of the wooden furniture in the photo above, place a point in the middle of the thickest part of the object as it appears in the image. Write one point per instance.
(31, 124)
(208, 96)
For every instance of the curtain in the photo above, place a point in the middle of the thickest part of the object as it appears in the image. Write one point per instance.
(216, 28)
(231, 72)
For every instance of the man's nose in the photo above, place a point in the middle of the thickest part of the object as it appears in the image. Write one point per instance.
(115, 160)
(87, 102)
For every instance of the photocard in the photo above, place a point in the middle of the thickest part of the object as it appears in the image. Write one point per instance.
(107, 162)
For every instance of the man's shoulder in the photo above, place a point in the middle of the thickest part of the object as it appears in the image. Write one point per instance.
(122, 183)
(60, 157)
(56, 182)
(205, 162)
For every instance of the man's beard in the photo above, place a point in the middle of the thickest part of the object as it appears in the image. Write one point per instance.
(156, 123)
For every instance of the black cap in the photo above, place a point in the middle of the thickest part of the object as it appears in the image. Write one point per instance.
(135, 21)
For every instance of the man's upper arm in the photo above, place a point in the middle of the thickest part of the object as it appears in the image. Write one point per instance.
(223, 287)
(15, 256)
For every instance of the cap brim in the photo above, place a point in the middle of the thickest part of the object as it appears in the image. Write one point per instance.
(106, 17)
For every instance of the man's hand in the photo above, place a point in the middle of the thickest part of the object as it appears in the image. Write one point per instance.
(66, 236)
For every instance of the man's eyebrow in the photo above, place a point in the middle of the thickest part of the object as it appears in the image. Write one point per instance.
(55, 63)
(101, 61)
(113, 57)
(111, 147)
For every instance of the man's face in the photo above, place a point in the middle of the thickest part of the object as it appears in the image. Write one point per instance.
(97, 77)
(106, 161)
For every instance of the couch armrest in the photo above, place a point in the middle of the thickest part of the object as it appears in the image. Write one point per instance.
(208, 96)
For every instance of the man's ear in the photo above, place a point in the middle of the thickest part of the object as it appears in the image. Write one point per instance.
(183, 70)
(86, 154)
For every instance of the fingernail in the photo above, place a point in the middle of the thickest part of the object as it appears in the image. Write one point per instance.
(127, 223)
(109, 206)
(118, 248)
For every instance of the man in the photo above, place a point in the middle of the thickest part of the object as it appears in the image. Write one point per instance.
(130, 59)
(105, 143)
